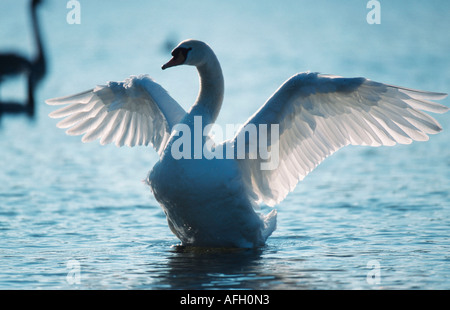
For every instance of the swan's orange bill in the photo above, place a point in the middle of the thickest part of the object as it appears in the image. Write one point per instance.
(175, 61)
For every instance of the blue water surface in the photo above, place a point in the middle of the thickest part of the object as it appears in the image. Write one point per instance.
(366, 218)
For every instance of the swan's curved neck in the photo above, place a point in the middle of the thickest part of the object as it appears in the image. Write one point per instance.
(39, 61)
(210, 97)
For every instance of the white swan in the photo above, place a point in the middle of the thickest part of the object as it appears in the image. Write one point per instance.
(210, 202)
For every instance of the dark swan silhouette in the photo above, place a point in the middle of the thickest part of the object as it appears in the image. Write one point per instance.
(12, 64)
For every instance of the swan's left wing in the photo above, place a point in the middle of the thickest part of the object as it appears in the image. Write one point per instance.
(137, 111)
(318, 114)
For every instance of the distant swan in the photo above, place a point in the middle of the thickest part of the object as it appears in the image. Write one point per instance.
(211, 202)
(13, 64)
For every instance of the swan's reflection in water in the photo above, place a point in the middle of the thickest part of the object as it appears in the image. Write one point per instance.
(194, 268)
(220, 268)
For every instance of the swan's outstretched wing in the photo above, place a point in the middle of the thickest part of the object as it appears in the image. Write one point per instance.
(319, 114)
(137, 111)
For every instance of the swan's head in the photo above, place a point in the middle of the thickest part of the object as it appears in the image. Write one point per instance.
(36, 2)
(189, 52)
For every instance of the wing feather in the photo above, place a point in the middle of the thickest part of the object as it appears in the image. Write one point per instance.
(137, 111)
(319, 114)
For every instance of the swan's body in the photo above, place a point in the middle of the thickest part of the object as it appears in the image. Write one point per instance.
(210, 202)
(208, 205)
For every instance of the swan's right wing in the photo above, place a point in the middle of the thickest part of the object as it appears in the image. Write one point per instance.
(137, 111)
